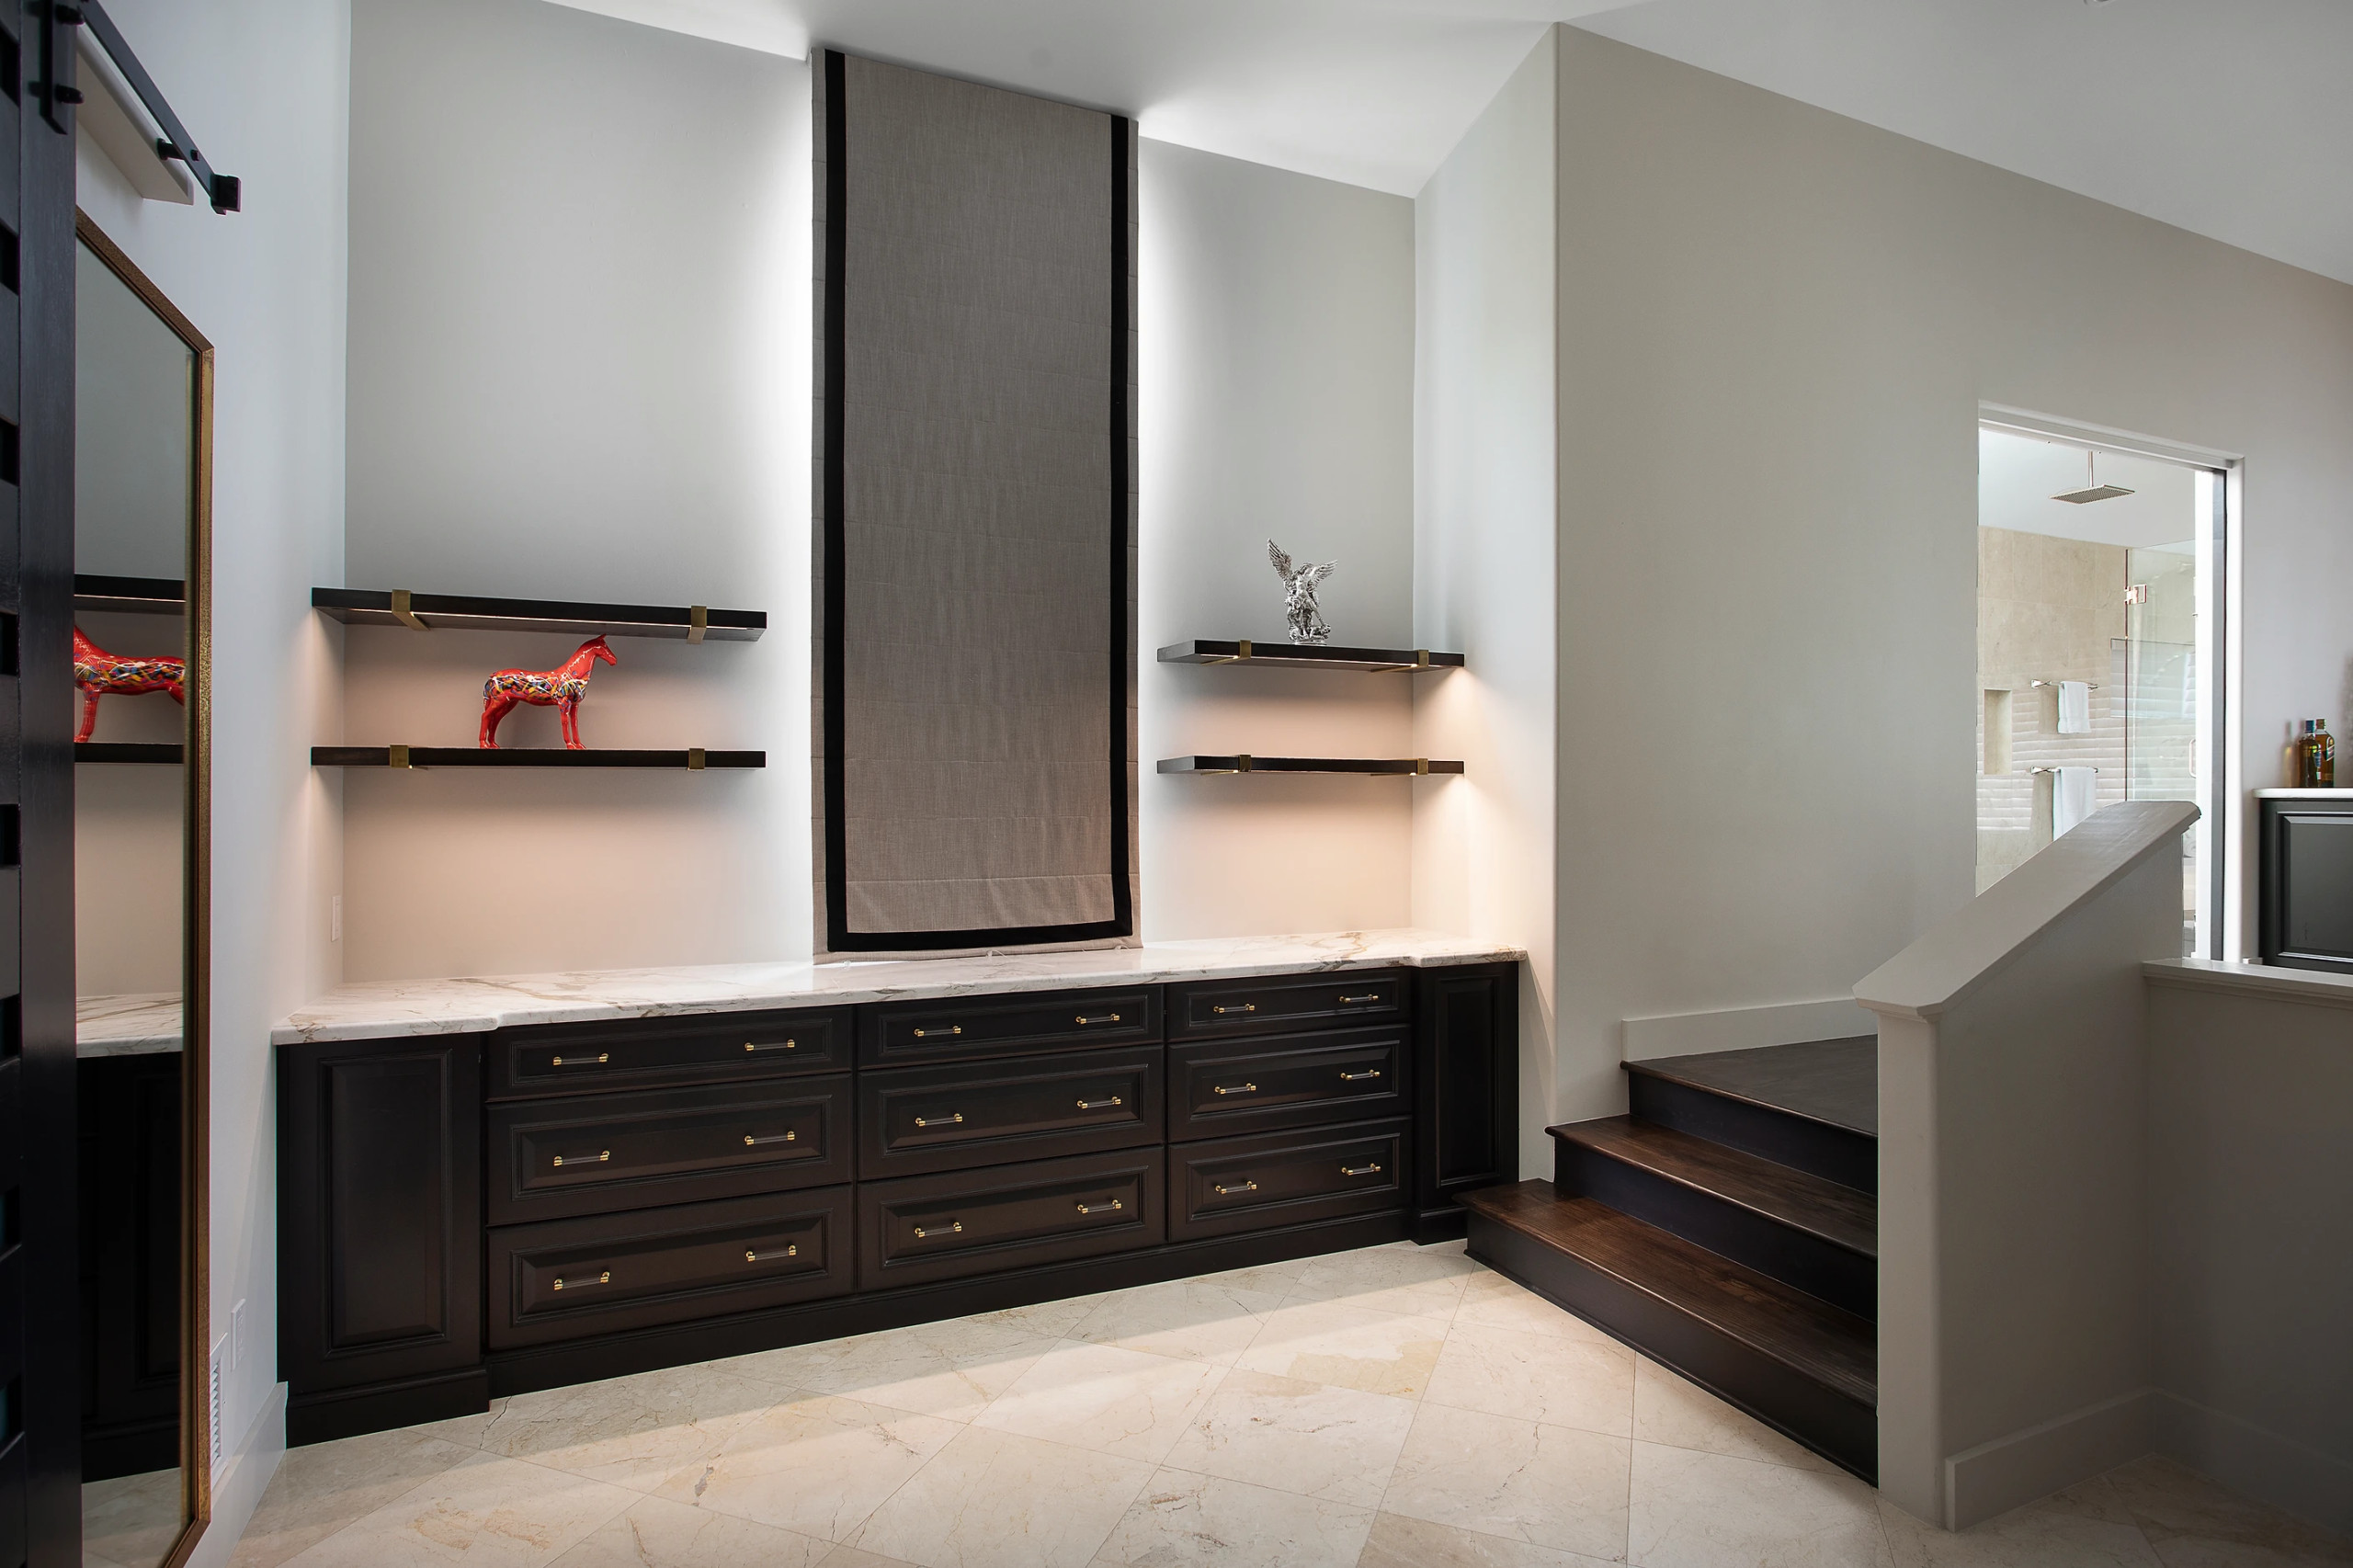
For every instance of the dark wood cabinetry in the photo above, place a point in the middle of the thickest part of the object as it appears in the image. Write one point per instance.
(476, 1215)
(130, 1113)
(2304, 917)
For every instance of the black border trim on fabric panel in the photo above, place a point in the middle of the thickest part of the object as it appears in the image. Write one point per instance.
(838, 937)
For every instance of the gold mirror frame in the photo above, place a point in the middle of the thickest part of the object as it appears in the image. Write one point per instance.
(196, 927)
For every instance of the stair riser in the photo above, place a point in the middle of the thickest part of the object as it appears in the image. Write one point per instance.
(1832, 1425)
(1834, 1153)
(1795, 1257)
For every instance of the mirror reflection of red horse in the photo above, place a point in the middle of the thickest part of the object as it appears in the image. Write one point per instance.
(101, 674)
(560, 688)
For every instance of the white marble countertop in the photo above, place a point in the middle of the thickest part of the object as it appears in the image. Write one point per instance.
(387, 1009)
(136, 1023)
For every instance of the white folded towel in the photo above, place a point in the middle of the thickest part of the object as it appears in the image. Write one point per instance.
(2075, 707)
(2074, 795)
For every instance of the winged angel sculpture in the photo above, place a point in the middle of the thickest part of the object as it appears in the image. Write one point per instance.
(1306, 622)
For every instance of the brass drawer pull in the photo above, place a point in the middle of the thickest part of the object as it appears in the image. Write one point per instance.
(1100, 1018)
(1359, 1170)
(598, 1158)
(1348, 1077)
(1225, 1190)
(1358, 1001)
(1234, 1088)
(954, 1228)
(951, 1120)
(577, 1281)
(771, 1045)
(1244, 1007)
(752, 1142)
(1084, 1208)
(926, 1034)
(771, 1254)
(598, 1060)
(1099, 1105)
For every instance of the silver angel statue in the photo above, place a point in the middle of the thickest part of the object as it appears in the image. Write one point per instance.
(1306, 622)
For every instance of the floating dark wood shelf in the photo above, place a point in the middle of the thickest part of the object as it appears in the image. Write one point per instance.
(130, 596)
(1289, 655)
(459, 612)
(527, 756)
(1408, 767)
(127, 751)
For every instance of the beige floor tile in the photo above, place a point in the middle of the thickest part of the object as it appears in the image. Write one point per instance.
(484, 1511)
(1184, 1520)
(321, 1487)
(1049, 1320)
(1388, 1280)
(950, 1370)
(1553, 1486)
(817, 1466)
(466, 1430)
(851, 1557)
(1275, 1278)
(634, 1431)
(1670, 1410)
(1399, 1542)
(2036, 1536)
(131, 1519)
(1562, 1382)
(1000, 1500)
(1694, 1510)
(1349, 1346)
(2195, 1523)
(1334, 1443)
(1105, 1400)
(1196, 1320)
(1490, 1300)
(658, 1534)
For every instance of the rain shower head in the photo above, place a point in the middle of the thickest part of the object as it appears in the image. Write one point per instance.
(2093, 489)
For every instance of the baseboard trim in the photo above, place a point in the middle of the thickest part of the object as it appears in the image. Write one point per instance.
(1994, 1477)
(238, 1486)
(2258, 1463)
(1743, 1028)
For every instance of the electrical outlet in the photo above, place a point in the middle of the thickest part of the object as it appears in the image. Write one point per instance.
(335, 918)
(237, 1336)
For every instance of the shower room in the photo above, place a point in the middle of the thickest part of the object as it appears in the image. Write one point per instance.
(2094, 644)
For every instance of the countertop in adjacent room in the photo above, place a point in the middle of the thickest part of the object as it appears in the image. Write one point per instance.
(142, 1023)
(389, 1008)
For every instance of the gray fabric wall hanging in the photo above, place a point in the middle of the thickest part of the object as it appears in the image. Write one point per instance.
(975, 667)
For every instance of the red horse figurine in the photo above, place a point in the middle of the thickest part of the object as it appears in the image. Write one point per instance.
(561, 688)
(101, 674)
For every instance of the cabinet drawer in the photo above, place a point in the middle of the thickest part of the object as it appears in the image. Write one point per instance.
(646, 1053)
(571, 1279)
(912, 1120)
(1286, 1178)
(984, 1222)
(1208, 1007)
(595, 1154)
(959, 1029)
(1225, 1089)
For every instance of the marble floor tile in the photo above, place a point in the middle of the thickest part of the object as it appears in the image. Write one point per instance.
(484, 1511)
(2195, 1523)
(1184, 1520)
(851, 1557)
(657, 1534)
(465, 1430)
(1105, 1400)
(950, 1370)
(320, 1488)
(1195, 1320)
(1670, 1410)
(2040, 1535)
(1687, 1509)
(817, 1466)
(1399, 1542)
(1334, 1443)
(994, 1499)
(1389, 1280)
(131, 1519)
(1045, 1319)
(1560, 1382)
(1551, 1486)
(634, 1431)
(1274, 1278)
(1347, 1346)
(1490, 1300)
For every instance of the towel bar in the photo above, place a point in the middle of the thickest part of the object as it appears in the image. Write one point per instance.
(2088, 686)
(2054, 770)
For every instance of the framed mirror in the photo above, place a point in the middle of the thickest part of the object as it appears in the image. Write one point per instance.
(141, 673)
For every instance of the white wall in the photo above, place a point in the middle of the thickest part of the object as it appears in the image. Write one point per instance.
(262, 85)
(1275, 325)
(1483, 558)
(1776, 329)
(579, 370)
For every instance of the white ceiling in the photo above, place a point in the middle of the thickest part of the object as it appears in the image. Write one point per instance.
(2230, 118)
(2017, 476)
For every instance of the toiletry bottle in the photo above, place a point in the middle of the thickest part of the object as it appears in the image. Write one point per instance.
(2324, 756)
(2303, 750)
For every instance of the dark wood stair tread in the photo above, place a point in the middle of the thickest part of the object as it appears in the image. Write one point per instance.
(1834, 1081)
(1835, 1348)
(1839, 1215)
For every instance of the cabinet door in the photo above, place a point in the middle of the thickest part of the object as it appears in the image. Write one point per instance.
(379, 1209)
(1467, 1110)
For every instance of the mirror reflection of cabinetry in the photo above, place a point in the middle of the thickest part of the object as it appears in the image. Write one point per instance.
(143, 408)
